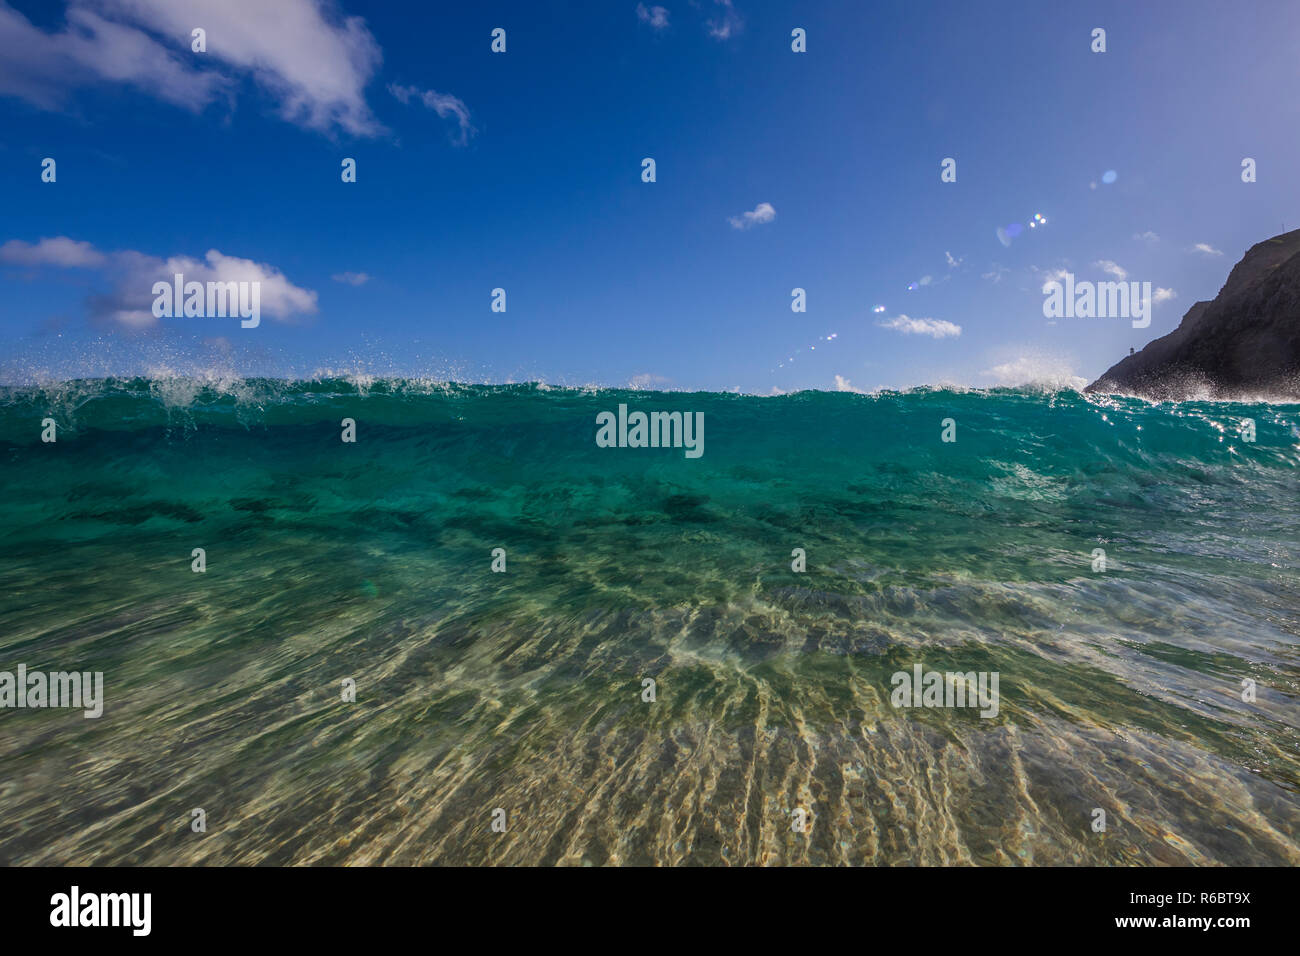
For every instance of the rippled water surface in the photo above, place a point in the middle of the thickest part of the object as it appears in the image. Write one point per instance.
(523, 690)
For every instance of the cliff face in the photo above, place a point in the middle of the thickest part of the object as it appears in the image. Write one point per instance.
(1245, 342)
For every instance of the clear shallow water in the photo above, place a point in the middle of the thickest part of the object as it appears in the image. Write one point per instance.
(522, 690)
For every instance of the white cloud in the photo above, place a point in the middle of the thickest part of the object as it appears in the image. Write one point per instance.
(1110, 267)
(761, 213)
(725, 23)
(656, 17)
(280, 298)
(314, 62)
(59, 251)
(351, 278)
(935, 328)
(42, 68)
(1050, 276)
(130, 300)
(1163, 295)
(995, 273)
(1147, 236)
(444, 104)
(1205, 249)
(952, 263)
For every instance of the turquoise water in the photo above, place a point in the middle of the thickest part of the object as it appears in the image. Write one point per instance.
(1120, 690)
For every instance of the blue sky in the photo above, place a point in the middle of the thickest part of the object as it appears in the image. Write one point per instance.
(522, 170)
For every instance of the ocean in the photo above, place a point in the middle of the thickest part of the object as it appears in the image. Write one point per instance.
(645, 678)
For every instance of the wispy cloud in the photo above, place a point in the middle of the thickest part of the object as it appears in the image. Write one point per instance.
(934, 328)
(760, 214)
(314, 62)
(655, 17)
(351, 278)
(1050, 276)
(43, 68)
(128, 302)
(444, 104)
(1111, 267)
(725, 23)
(1163, 295)
(1147, 236)
(59, 251)
(953, 263)
(1205, 249)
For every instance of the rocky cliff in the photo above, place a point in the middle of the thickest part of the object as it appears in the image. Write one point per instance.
(1244, 343)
